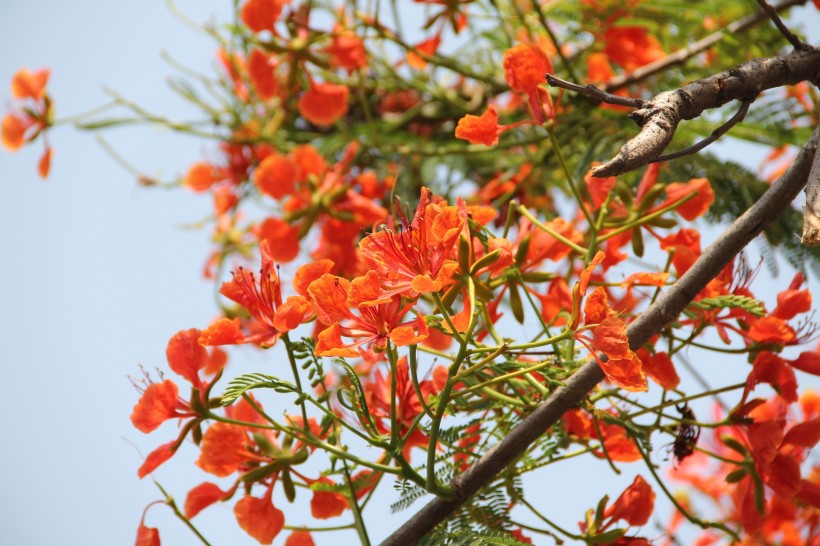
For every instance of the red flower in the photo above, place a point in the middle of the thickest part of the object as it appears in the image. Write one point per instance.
(261, 15)
(327, 504)
(631, 47)
(324, 103)
(525, 66)
(418, 257)
(262, 298)
(259, 517)
(378, 320)
(300, 538)
(634, 506)
(202, 496)
(408, 406)
(27, 124)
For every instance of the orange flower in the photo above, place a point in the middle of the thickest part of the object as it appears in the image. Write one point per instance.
(33, 119)
(635, 504)
(261, 15)
(525, 66)
(44, 165)
(263, 300)
(374, 325)
(426, 48)
(27, 85)
(771, 329)
(408, 406)
(202, 496)
(300, 538)
(327, 504)
(347, 50)
(158, 403)
(771, 369)
(280, 237)
(793, 301)
(483, 129)
(694, 207)
(598, 68)
(156, 458)
(324, 103)
(622, 366)
(14, 132)
(686, 244)
(200, 177)
(259, 517)
(659, 368)
(224, 449)
(631, 47)
(261, 73)
(276, 176)
(417, 259)
(147, 536)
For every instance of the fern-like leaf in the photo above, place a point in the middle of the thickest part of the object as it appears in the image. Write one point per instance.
(237, 387)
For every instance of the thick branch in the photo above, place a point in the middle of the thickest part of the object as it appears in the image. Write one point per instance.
(665, 309)
(682, 55)
(659, 117)
(811, 210)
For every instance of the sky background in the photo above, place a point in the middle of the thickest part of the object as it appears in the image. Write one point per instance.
(99, 273)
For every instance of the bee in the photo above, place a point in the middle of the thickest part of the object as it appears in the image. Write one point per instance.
(688, 434)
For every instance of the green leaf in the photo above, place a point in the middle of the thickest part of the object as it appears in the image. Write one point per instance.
(244, 383)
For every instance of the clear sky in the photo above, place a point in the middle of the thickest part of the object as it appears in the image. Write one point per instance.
(98, 273)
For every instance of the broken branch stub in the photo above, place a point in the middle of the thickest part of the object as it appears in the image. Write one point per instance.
(811, 211)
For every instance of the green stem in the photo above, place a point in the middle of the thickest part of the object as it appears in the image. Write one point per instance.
(169, 500)
(354, 507)
(295, 369)
(540, 225)
(555, 526)
(692, 519)
(570, 179)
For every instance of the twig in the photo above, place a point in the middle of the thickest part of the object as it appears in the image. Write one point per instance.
(659, 117)
(682, 55)
(716, 134)
(591, 91)
(778, 22)
(776, 199)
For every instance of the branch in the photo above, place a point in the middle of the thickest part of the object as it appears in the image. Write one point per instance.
(682, 55)
(811, 211)
(659, 117)
(778, 22)
(776, 199)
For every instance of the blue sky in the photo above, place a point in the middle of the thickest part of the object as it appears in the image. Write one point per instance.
(99, 273)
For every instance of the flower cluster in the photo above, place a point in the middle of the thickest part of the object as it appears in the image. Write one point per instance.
(415, 298)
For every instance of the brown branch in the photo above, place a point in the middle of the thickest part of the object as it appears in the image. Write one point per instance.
(682, 55)
(591, 91)
(811, 210)
(659, 117)
(716, 134)
(796, 42)
(776, 199)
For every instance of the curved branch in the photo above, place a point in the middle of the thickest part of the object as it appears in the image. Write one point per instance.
(682, 55)
(778, 22)
(776, 199)
(659, 117)
(716, 134)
